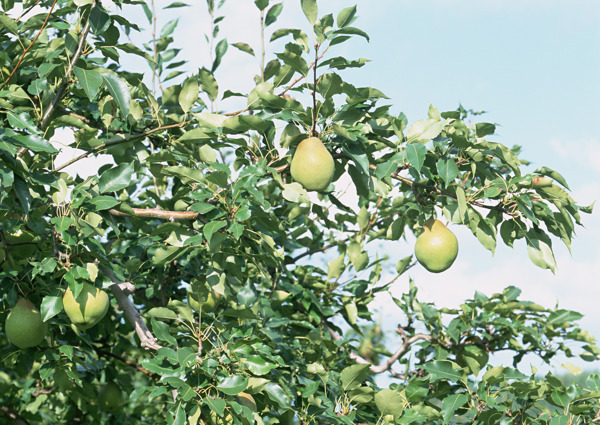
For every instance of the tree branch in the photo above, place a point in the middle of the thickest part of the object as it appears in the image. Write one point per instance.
(63, 85)
(147, 340)
(157, 213)
(15, 418)
(387, 365)
(118, 141)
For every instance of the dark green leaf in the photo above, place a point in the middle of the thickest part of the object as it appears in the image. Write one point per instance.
(90, 81)
(273, 13)
(34, 142)
(116, 178)
(51, 306)
(233, 384)
(119, 91)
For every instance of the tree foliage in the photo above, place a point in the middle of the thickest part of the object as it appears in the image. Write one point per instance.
(200, 197)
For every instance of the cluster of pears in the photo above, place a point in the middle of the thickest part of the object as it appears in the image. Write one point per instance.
(25, 328)
(312, 165)
(436, 247)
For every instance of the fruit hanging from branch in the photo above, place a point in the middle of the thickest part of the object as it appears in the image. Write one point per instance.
(24, 326)
(88, 308)
(437, 247)
(312, 165)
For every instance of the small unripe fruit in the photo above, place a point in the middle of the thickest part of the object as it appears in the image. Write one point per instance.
(110, 398)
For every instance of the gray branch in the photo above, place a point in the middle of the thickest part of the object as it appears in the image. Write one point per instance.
(121, 291)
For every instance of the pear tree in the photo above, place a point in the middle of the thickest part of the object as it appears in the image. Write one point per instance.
(240, 207)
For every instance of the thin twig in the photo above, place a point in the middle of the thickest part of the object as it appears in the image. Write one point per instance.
(63, 85)
(30, 45)
(118, 141)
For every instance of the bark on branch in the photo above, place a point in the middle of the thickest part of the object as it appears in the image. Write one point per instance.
(157, 213)
(387, 365)
(121, 291)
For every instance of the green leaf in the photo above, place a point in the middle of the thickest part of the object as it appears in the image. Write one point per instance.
(352, 31)
(168, 28)
(99, 20)
(560, 317)
(389, 402)
(415, 155)
(244, 47)
(258, 366)
(273, 13)
(9, 24)
(424, 130)
(34, 142)
(51, 306)
(189, 94)
(276, 393)
(233, 384)
(212, 227)
(261, 4)
(346, 16)
(119, 90)
(310, 9)
(539, 248)
(452, 403)
(336, 266)
(353, 376)
(220, 51)
(90, 81)
(21, 120)
(116, 178)
(447, 170)
(294, 192)
(444, 369)
(23, 193)
(358, 156)
(161, 331)
(545, 171)
(103, 202)
(208, 83)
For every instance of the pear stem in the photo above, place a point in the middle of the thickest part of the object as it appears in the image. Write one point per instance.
(313, 131)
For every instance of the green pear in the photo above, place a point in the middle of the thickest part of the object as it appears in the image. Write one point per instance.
(437, 247)
(110, 398)
(312, 165)
(88, 308)
(24, 326)
(205, 302)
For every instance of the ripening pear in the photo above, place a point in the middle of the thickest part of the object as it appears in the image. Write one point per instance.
(312, 165)
(205, 302)
(110, 398)
(24, 326)
(88, 308)
(437, 247)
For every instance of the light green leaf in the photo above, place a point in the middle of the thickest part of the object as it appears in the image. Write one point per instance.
(244, 47)
(353, 376)
(208, 83)
(310, 9)
(444, 369)
(389, 402)
(189, 94)
(425, 130)
(21, 120)
(51, 306)
(273, 13)
(294, 192)
(336, 266)
(346, 16)
(447, 170)
(539, 248)
(276, 393)
(415, 155)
